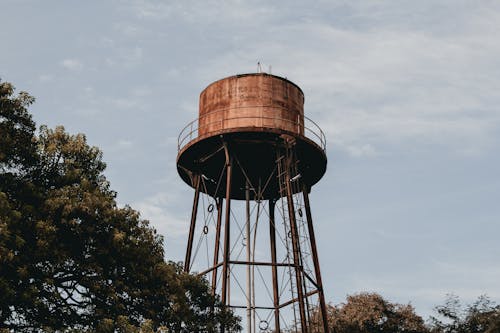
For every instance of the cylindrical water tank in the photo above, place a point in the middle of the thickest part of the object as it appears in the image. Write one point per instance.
(251, 101)
(252, 118)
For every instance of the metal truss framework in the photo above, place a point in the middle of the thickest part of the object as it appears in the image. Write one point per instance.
(256, 241)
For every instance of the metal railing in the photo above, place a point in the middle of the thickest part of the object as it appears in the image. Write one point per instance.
(190, 132)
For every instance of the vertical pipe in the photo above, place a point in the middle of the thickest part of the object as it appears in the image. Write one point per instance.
(272, 236)
(249, 277)
(314, 250)
(189, 249)
(217, 242)
(227, 233)
(295, 245)
(227, 230)
(254, 243)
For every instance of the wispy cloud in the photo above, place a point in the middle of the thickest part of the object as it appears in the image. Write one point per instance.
(195, 11)
(72, 64)
(158, 209)
(46, 78)
(125, 57)
(125, 144)
(372, 87)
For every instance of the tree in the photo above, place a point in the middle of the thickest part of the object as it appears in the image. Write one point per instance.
(371, 313)
(70, 258)
(482, 316)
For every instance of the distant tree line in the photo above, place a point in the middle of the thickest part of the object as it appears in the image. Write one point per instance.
(371, 313)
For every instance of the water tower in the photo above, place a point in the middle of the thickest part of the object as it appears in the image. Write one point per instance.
(252, 158)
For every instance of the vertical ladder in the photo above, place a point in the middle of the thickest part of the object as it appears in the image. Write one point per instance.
(287, 176)
(296, 185)
(281, 163)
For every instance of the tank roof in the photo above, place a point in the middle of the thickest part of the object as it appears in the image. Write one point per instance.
(254, 74)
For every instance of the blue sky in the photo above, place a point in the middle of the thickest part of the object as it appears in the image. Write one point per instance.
(407, 92)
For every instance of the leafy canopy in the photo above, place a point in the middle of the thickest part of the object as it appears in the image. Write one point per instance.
(371, 313)
(482, 316)
(70, 258)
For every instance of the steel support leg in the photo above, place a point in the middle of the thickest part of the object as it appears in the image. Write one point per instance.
(249, 274)
(227, 232)
(197, 185)
(312, 239)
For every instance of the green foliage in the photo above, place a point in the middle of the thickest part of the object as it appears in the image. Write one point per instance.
(482, 316)
(16, 128)
(370, 313)
(70, 258)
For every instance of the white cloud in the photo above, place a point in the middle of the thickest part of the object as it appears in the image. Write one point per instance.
(46, 78)
(123, 103)
(72, 64)
(365, 150)
(158, 209)
(88, 112)
(207, 12)
(384, 86)
(125, 143)
(129, 57)
(142, 91)
(129, 30)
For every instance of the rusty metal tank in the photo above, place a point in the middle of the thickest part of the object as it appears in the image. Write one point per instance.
(254, 114)
(251, 100)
